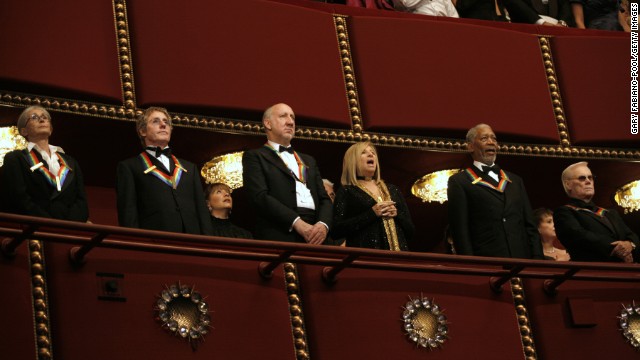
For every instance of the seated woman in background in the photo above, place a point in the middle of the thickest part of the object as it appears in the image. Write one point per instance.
(544, 219)
(368, 212)
(219, 202)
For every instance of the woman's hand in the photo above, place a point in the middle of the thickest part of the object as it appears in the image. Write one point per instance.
(385, 209)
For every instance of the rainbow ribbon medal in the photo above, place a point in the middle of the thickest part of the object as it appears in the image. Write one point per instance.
(475, 179)
(54, 180)
(172, 180)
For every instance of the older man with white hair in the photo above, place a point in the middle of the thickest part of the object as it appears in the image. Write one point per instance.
(589, 232)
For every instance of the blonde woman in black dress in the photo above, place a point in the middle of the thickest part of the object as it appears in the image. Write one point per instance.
(368, 212)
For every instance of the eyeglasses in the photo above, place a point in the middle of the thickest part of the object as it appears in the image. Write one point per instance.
(158, 121)
(584, 178)
(36, 117)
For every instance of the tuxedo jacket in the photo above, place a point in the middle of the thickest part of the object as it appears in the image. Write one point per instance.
(28, 192)
(146, 202)
(588, 236)
(487, 222)
(272, 190)
(481, 9)
(528, 11)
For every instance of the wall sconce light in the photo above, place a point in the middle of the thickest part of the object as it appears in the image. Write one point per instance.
(10, 139)
(628, 196)
(226, 169)
(433, 186)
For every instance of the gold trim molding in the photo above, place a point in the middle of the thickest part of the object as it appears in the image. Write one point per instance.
(124, 57)
(526, 334)
(237, 126)
(554, 90)
(346, 60)
(40, 302)
(298, 331)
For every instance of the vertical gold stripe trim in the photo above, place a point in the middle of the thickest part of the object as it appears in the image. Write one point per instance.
(40, 301)
(554, 91)
(300, 343)
(124, 57)
(346, 61)
(522, 315)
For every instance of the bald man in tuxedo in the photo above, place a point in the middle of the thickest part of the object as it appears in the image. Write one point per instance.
(285, 186)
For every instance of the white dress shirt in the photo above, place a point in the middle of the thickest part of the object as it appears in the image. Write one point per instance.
(493, 175)
(162, 158)
(53, 160)
(303, 194)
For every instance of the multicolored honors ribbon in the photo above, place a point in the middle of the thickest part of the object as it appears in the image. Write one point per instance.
(502, 184)
(302, 168)
(172, 180)
(599, 211)
(55, 180)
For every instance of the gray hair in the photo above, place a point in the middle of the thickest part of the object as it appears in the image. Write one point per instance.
(566, 173)
(24, 116)
(471, 134)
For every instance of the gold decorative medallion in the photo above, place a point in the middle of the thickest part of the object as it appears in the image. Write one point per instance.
(630, 324)
(183, 312)
(425, 323)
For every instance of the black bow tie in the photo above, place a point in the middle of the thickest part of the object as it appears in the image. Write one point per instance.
(287, 149)
(486, 169)
(159, 151)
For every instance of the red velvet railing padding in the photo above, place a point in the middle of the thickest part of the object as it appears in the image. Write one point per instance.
(238, 55)
(58, 49)
(594, 78)
(249, 315)
(551, 323)
(419, 77)
(17, 339)
(360, 316)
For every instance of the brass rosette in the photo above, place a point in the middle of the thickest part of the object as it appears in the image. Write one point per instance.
(630, 324)
(425, 323)
(183, 312)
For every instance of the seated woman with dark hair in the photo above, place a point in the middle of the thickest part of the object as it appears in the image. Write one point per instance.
(219, 202)
(544, 219)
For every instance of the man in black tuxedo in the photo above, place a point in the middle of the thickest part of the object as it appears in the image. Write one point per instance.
(42, 180)
(541, 12)
(589, 232)
(156, 190)
(489, 211)
(482, 9)
(285, 186)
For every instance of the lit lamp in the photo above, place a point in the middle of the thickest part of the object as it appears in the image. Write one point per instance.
(10, 139)
(628, 196)
(433, 186)
(226, 169)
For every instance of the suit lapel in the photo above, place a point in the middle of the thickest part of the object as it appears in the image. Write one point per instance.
(273, 158)
(160, 165)
(68, 179)
(42, 177)
(603, 220)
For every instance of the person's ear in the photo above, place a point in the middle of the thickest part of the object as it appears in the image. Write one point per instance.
(143, 132)
(470, 147)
